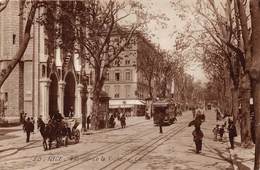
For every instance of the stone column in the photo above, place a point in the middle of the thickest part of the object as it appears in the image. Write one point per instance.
(44, 98)
(78, 109)
(61, 86)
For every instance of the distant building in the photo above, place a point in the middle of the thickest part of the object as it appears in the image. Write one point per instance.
(125, 84)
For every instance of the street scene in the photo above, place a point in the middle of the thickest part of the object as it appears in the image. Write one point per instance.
(130, 84)
(138, 146)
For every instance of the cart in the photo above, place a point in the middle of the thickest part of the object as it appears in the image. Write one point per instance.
(73, 132)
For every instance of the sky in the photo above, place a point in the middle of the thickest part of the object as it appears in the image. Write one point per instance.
(164, 35)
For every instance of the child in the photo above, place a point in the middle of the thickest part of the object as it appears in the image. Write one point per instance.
(221, 132)
(215, 132)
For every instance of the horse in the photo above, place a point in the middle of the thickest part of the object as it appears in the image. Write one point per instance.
(52, 131)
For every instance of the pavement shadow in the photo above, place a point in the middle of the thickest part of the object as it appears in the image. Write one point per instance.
(220, 154)
(15, 150)
(240, 162)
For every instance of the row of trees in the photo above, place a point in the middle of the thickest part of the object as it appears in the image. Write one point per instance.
(226, 37)
(160, 68)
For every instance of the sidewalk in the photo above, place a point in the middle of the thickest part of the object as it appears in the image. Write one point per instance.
(243, 159)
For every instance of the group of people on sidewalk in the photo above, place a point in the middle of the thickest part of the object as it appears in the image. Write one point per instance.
(219, 129)
(120, 117)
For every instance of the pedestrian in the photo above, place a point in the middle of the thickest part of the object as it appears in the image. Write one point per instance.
(33, 122)
(25, 117)
(216, 132)
(232, 132)
(122, 120)
(221, 132)
(111, 121)
(88, 121)
(197, 138)
(218, 115)
(161, 122)
(28, 128)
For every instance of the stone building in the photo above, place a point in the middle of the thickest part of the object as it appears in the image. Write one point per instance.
(125, 84)
(40, 84)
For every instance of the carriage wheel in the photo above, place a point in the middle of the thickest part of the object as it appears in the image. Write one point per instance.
(45, 146)
(77, 136)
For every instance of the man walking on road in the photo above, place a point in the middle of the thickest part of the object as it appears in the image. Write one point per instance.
(122, 120)
(232, 132)
(161, 123)
(28, 128)
(88, 121)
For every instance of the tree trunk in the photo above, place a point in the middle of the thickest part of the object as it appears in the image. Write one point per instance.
(95, 111)
(84, 117)
(235, 104)
(150, 88)
(255, 72)
(9, 68)
(99, 82)
(245, 122)
(256, 97)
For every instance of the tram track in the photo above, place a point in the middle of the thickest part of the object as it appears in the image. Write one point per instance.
(38, 143)
(100, 152)
(90, 155)
(141, 151)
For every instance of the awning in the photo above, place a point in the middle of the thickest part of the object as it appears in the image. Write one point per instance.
(125, 103)
(160, 104)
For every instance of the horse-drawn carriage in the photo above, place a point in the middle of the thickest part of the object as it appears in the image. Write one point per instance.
(62, 131)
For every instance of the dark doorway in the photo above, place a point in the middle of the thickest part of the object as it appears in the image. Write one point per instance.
(53, 95)
(69, 93)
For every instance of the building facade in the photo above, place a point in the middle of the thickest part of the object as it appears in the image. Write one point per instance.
(125, 84)
(40, 84)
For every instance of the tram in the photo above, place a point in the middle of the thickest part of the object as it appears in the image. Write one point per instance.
(165, 109)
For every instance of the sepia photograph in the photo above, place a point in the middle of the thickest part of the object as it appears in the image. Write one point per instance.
(129, 84)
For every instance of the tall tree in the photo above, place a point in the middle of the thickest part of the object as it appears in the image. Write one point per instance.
(224, 28)
(148, 62)
(6, 71)
(255, 72)
(91, 29)
(3, 5)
